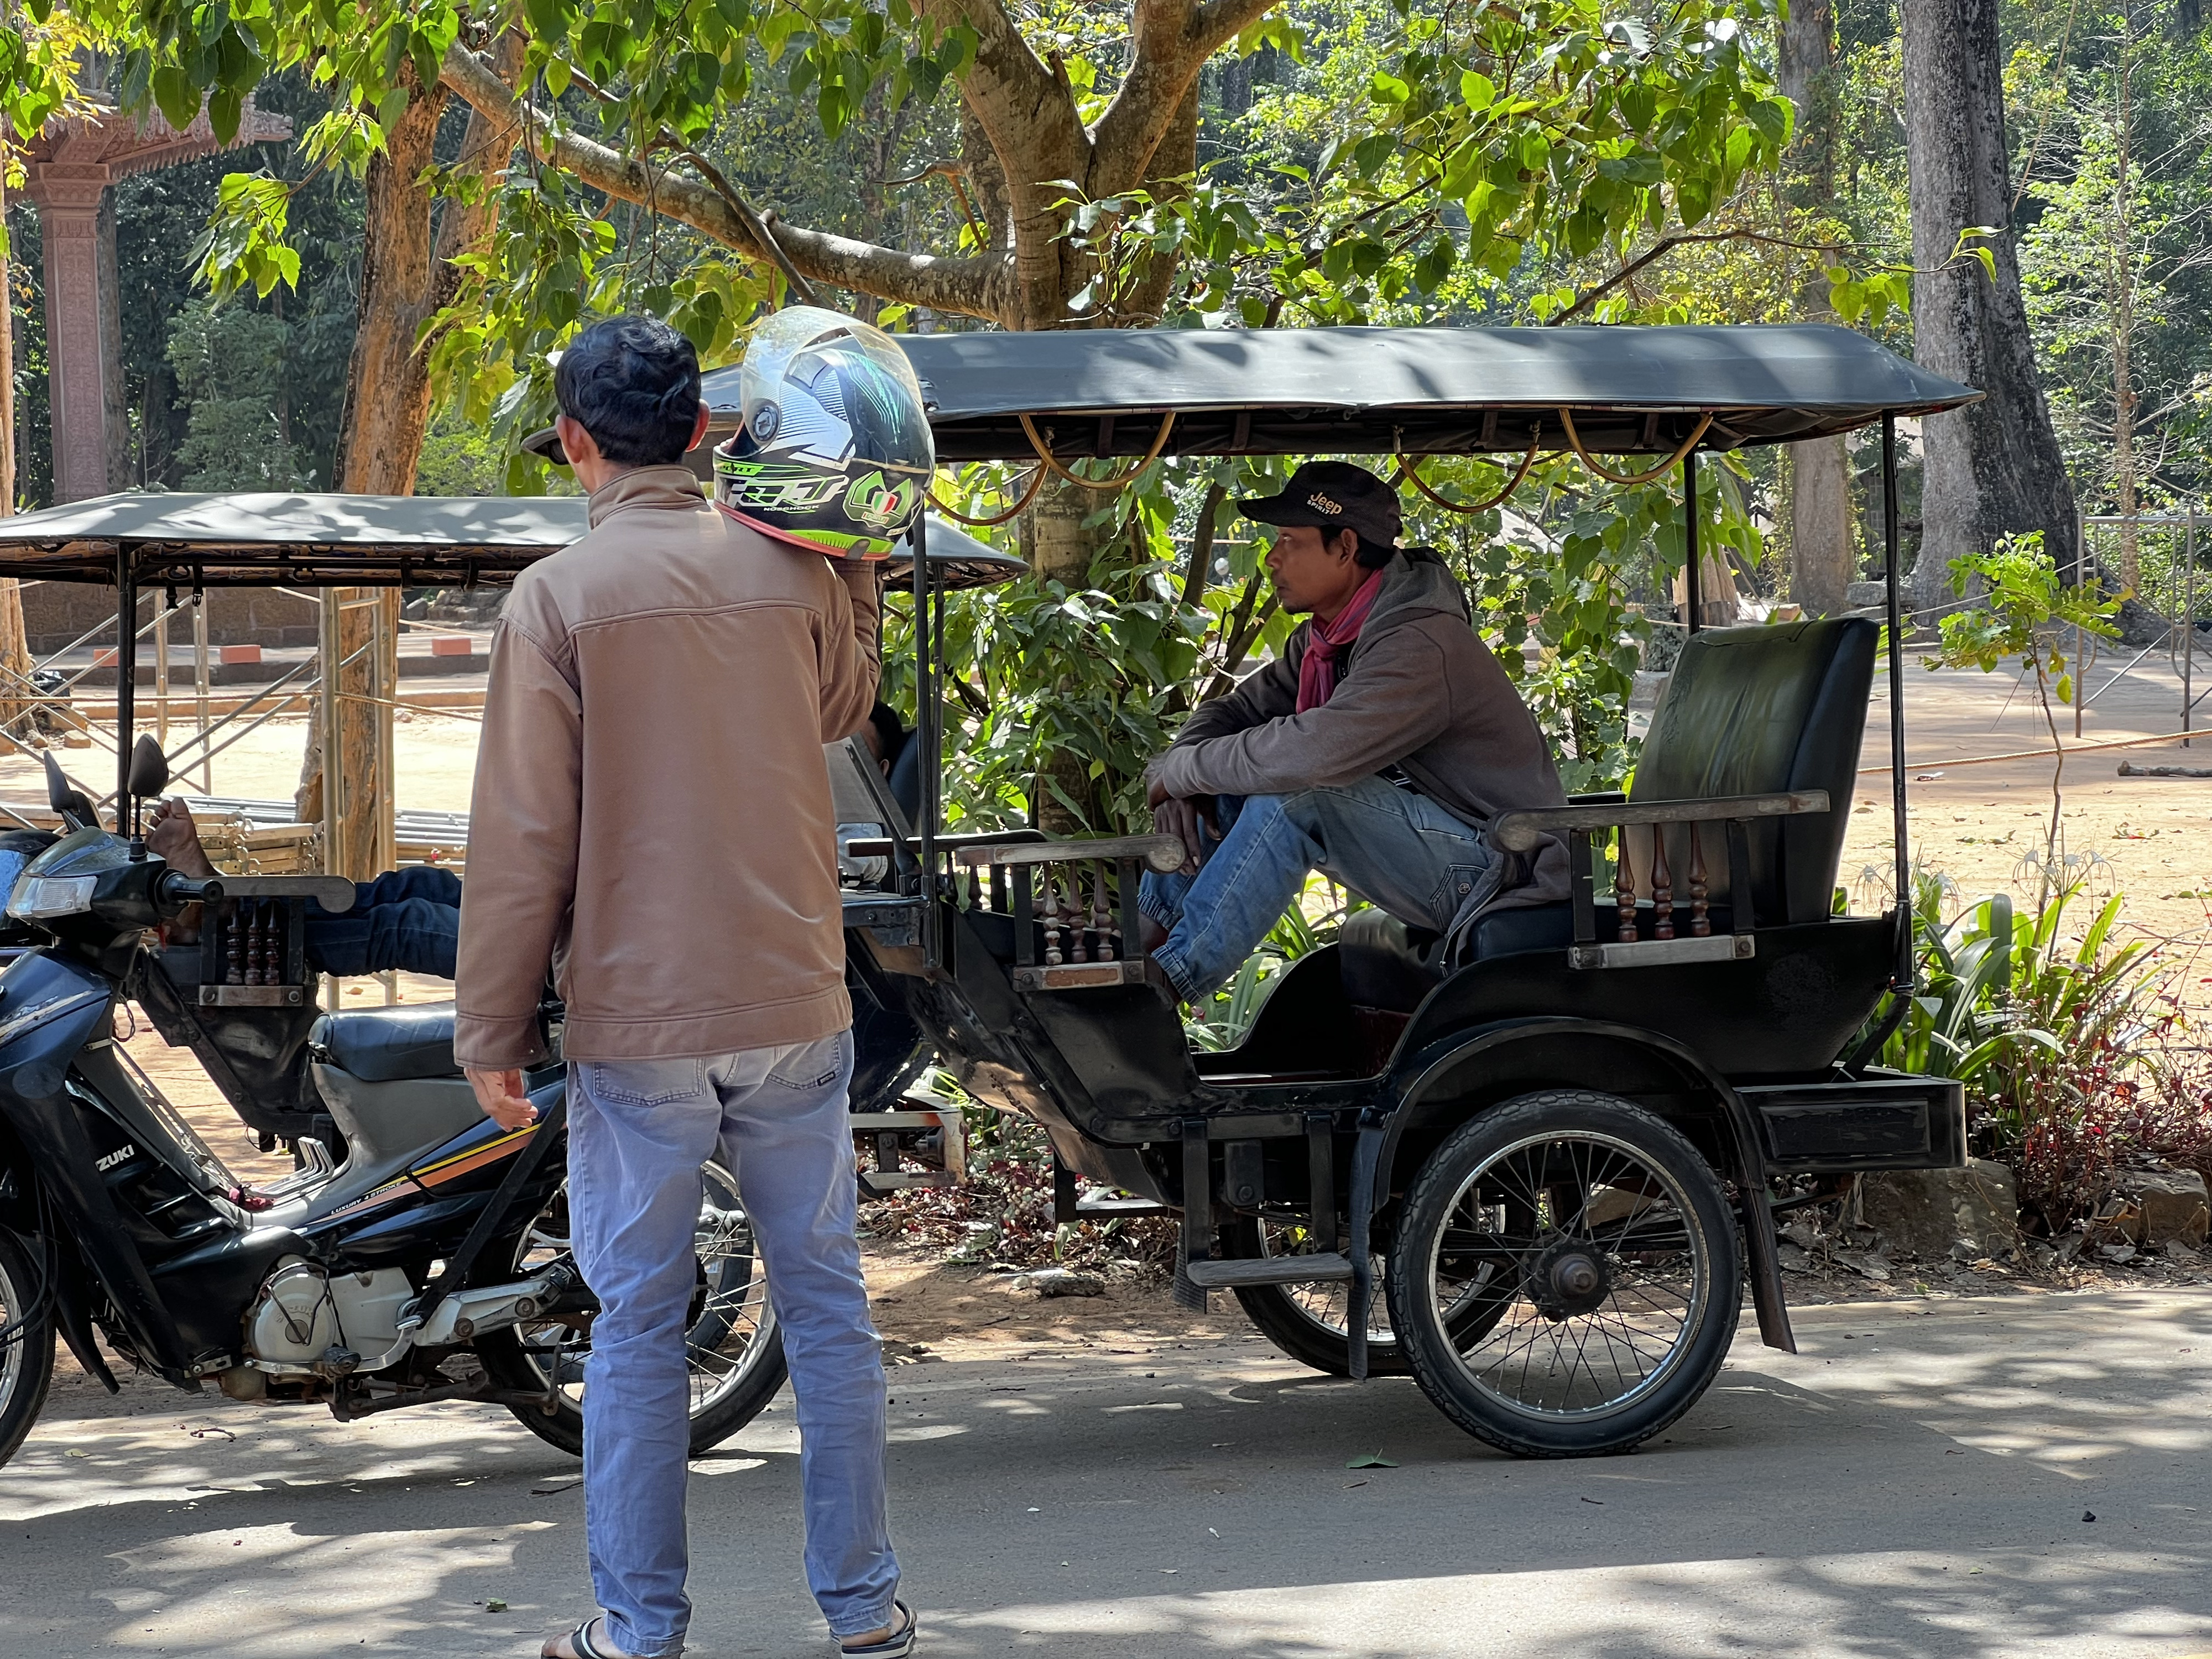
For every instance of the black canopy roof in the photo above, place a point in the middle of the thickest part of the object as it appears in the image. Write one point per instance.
(1419, 390)
(269, 540)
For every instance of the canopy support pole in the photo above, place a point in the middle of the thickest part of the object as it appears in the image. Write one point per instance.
(200, 685)
(1694, 574)
(126, 676)
(1902, 981)
(927, 723)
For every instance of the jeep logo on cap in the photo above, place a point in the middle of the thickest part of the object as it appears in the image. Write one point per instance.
(1320, 503)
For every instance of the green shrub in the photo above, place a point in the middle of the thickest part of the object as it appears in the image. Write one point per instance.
(2066, 1048)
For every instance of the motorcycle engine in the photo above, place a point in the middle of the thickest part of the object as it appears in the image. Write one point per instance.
(304, 1312)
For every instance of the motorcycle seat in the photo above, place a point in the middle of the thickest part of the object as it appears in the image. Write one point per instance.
(387, 1045)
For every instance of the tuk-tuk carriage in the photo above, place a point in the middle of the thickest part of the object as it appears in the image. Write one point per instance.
(1534, 1166)
(253, 1038)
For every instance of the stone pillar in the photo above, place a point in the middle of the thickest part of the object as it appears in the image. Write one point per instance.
(68, 196)
(115, 412)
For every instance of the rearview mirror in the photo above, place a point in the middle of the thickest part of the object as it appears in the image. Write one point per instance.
(150, 767)
(76, 812)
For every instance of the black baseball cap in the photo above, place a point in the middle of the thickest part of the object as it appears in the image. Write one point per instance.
(546, 442)
(1333, 495)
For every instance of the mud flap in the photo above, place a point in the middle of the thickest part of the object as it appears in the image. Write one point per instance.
(1366, 1156)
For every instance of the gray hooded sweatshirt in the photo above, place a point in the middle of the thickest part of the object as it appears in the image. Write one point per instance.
(1419, 690)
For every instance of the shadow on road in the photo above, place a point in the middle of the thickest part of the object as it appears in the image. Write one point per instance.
(1911, 1483)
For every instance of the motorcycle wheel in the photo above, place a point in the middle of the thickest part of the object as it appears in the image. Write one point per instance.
(734, 1350)
(27, 1357)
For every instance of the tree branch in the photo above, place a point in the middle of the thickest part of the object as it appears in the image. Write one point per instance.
(1170, 41)
(978, 286)
(1667, 245)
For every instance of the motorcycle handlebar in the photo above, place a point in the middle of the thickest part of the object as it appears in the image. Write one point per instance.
(178, 891)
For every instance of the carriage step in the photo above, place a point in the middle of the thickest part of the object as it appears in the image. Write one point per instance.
(1316, 1269)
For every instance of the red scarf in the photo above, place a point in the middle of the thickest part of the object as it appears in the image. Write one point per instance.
(1317, 674)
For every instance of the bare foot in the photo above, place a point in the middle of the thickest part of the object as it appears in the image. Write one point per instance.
(173, 837)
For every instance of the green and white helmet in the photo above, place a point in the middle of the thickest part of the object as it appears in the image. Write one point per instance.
(835, 449)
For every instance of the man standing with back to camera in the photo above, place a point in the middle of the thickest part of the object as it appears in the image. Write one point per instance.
(653, 816)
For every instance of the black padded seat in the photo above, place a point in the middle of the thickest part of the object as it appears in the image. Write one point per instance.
(386, 1045)
(1388, 964)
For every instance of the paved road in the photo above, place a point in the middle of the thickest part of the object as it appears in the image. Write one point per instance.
(1915, 1483)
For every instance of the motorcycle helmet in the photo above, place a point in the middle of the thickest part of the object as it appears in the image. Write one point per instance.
(835, 450)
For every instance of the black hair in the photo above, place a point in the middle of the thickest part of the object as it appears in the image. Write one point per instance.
(1372, 555)
(890, 732)
(633, 383)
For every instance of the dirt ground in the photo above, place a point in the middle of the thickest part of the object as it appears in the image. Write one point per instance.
(1980, 824)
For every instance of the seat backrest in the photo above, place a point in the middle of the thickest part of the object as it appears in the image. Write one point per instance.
(1754, 711)
(858, 790)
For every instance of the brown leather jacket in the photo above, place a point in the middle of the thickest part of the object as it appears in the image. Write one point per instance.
(651, 810)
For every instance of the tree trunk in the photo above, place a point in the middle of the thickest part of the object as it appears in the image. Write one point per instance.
(1823, 556)
(1994, 466)
(15, 654)
(407, 276)
(2121, 253)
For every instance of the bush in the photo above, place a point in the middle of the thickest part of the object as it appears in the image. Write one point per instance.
(2072, 1053)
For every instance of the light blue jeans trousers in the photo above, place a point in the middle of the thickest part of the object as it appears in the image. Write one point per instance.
(638, 1132)
(1394, 847)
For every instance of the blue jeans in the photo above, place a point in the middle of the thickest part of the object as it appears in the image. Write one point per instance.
(406, 919)
(638, 1131)
(1396, 849)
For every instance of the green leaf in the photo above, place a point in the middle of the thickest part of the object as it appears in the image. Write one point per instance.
(1774, 118)
(1476, 90)
(175, 96)
(1374, 1459)
(1693, 199)
(225, 107)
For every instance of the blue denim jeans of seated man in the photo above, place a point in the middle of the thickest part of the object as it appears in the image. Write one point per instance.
(638, 1132)
(410, 920)
(1394, 847)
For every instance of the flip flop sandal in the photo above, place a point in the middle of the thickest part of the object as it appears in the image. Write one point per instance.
(898, 1645)
(580, 1640)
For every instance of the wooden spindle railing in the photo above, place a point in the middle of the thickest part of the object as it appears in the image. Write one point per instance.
(1624, 892)
(1701, 925)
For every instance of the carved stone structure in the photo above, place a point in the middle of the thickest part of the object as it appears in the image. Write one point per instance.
(70, 165)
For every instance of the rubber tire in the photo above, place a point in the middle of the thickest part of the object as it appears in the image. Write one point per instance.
(1435, 1364)
(507, 1364)
(1278, 1318)
(21, 1409)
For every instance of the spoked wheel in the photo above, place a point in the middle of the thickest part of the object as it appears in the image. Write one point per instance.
(1565, 1282)
(1311, 1323)
(27, 1343)
(735, 1351)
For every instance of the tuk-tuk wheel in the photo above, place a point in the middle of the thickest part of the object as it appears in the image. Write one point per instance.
(1565, 1281)
(1307, 1321)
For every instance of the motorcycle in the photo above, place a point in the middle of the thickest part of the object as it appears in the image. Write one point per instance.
(430, 1262)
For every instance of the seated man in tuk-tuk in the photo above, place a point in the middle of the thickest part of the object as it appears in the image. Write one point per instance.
(409, 920)
(1376, 748)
